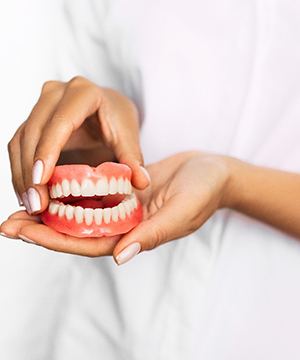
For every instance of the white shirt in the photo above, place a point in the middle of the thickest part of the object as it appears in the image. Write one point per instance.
(209, 75)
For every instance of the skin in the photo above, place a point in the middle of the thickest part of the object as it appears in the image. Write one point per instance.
(202, 182)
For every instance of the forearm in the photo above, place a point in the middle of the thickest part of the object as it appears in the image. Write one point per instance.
(271, 196)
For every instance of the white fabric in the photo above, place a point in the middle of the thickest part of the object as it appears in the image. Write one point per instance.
(210, 75)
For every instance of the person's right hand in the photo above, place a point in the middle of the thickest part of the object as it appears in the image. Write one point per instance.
(99, 123)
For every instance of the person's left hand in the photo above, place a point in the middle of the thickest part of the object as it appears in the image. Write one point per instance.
(186, 189)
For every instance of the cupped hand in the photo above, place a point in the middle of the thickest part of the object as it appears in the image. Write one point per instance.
(186, 189)
(78, 117)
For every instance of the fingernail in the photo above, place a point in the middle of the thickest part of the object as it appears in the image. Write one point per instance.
(34, 200)
(145, 172)
(37, 172)
(19, 199)
(26, 202)
(24, 238)
(128, 253)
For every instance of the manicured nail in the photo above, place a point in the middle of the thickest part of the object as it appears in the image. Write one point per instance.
(24, 238)
(34, 200)
(26, 202)
(128, 253)
(145, 172)
(37, 172)
(19, 199)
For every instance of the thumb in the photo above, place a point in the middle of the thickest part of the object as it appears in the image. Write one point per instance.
(167, 224)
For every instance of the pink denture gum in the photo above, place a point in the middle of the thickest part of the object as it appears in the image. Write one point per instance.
(90, 201)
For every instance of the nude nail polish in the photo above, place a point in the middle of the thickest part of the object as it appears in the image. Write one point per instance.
(145, 172)
(128, 253)
(34, 200)
(26, 202)
(37, 172)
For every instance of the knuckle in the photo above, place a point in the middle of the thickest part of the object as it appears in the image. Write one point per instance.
(77, 81)
(158, 236)
(50, 86)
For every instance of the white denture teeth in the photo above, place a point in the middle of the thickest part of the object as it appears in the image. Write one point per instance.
(113, 186)
(107, 215)
(78, 214)
(69, 212)
(53, 208)
(75, 188)
(66, 190)
(97, 216)
(102, 187)
(88, 216)
(87, 188)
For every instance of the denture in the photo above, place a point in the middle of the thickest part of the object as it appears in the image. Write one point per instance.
(90, 201)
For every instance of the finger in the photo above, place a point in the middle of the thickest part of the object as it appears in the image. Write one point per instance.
(30, 134)
(121, 133)
(23, 215)
(11, 227)
(15, 163)
(170, 222)
(81, 99)
(52, 240)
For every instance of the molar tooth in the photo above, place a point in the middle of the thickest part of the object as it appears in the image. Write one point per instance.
(50, 189)
(53, 208)
(122, 211)
(87, 188)
(69, 212)
(75, 188)
(127, 207)
(127, 187)
(58, 190)
(78, 214)
(113, 186)
(120, 186)
(88, 215)
(106, 215)
(61, 210)
(102, 187)
(134, 202)
(98, 213)
(66, 187)
(115, 213)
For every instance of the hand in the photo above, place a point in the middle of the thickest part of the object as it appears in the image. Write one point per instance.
(186, 189)
(74, 118)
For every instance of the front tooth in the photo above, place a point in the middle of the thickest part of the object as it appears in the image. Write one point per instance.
(113, 186)
(120, 186)
(66, 187)
(115, 213)
(98, 213)
(102, 187)
(88, 216)
(75, 188)
(122, 211)
(69, 212)
(53, 208)
(127, 187)
(61, 210)
(87, 188)
(58, 190)
(79, 214)
(107, 215)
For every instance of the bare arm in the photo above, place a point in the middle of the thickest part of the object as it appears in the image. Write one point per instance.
(269, 195)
